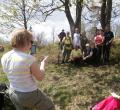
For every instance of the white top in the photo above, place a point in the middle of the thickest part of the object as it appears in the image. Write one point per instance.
(76, 39)
(16, 65)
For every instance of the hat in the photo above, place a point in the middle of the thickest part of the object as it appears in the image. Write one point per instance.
(87, 45)
(76, 29)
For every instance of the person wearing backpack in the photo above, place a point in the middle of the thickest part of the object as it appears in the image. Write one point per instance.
(83, 40)
(67, 47)
(61, 36)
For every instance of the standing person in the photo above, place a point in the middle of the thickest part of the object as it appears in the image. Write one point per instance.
(76, 38)
(109, 36)
(61, 36)
(98, 40)
(22, 70)
(67, 43)
(84, 40)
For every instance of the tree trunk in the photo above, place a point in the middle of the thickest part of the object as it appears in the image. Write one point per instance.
(78, 14)
(69, 16)
(106, 10)
(103, 14)
(24, 14)
(77, 23)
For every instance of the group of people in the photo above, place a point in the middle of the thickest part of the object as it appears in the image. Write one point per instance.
(22, 68)
(78, 49)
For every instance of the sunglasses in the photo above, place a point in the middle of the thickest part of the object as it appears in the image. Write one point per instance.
(31, 42)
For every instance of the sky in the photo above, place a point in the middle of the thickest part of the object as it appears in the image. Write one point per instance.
(53, 26)
(58, 21)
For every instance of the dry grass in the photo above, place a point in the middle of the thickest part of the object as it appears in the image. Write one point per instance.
(76, 88)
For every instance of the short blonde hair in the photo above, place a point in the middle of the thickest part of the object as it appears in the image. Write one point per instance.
(20, 38)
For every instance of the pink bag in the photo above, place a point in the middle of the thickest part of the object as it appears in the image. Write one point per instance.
(110, 103)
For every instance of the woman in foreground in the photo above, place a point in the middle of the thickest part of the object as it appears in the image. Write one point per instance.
(22, 70)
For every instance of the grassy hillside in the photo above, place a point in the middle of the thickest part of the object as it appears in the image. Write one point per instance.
(76, 88)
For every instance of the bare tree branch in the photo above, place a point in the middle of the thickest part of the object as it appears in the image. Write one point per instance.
(62, 2)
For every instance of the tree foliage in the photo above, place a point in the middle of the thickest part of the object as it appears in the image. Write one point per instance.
(19, 13)
(24, 12)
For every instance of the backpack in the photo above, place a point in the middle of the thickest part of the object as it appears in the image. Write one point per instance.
(67, 43)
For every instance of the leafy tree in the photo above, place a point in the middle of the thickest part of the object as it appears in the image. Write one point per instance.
(19, 13)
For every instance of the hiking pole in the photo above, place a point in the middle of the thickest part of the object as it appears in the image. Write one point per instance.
(102, 57)
(61, 48)
(59, 51)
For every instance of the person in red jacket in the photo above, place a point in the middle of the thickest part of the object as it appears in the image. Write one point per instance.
(98, 40)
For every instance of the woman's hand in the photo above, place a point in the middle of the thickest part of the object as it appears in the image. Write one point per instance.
(45, 59)
(39, 70)
(84, 58)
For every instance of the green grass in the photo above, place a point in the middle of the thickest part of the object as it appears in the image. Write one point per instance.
(76, 88)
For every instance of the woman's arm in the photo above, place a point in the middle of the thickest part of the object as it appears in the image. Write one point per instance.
(71, 55)
(38, 70)
(91, 53)
(83, 54)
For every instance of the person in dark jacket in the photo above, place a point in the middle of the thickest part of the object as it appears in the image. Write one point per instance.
(84, 40)
(61, 35)
(89, 54)
(109, 36)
